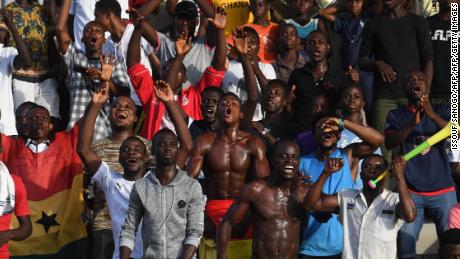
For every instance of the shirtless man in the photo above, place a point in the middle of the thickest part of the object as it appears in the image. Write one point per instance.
(276, 205)
(229, 158)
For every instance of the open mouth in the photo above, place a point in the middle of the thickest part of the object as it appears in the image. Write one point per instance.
(209, 111)
(288, 169)
(132, 161)
(228, 112)
(327, 136)
(92, 41)
(122, 115)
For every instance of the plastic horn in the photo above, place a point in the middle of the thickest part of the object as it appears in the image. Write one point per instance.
(440, 135)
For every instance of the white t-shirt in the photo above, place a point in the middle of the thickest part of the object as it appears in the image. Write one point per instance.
(83, 11)
(196, 61)
(117, 190)
(369, 232)
(234, 82)
(120, 51)
(7, 121)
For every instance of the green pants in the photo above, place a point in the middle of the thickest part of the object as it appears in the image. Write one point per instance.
(380, 112)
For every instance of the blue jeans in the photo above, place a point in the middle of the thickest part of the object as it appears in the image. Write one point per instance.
(437, 207)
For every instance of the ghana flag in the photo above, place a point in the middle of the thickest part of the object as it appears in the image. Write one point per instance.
(53, 179)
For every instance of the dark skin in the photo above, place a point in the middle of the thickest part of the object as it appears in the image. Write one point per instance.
(372, 168)
(317, 49)
(394, 9)
(288, 41)
(23, 60)
(21, 119)
(352, 102)
(18, 234)
(274, 101)
(39, 125)
(302, 9)
(241, 42)
(276, 208)
(415, 87)
(167, 153)
(227, 157)
(444, 9)
(355, 7)
(327, 134)
(93, 39)
(122, 118)
(450, 251)
(184, 44)
(209, 101)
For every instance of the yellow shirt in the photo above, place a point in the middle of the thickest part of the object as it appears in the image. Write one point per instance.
(238, 13)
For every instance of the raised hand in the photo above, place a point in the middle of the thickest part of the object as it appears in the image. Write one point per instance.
(386, 71)
(397, 167)
(220, 18)
(7, 17)
(331, 123)
(291, 95)
(353, 74)
(240, 41)
(426, 107)
(183, 44)
(136, 17)
(163, 91)
(107, 65)
(101, 95)
(332, 165)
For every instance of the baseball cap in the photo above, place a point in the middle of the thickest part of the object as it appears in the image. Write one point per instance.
(186, 9)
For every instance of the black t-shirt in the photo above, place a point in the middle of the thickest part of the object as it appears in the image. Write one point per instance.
(404, 43)
(306, 89)
(440, 39)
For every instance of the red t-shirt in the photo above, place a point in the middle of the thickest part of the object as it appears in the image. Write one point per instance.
(21, 208)
(267, 37)
(189, 98)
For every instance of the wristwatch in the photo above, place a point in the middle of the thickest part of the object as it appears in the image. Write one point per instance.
(265, 131)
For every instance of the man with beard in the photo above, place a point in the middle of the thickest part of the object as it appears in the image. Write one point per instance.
(371, 218)
(228, 157)
(276, 205)
(429, 174)
(323, 235)
(316, 77)
(86, 71)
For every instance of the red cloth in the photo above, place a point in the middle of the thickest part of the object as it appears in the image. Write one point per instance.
(268, 37)
(21, 209)
(46, 173)
(435, 193)
(216, 209)
(189, 99)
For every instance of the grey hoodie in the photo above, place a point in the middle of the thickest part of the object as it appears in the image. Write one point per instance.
(172, 216)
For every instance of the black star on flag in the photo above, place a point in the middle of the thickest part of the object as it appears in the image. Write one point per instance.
(47, 221)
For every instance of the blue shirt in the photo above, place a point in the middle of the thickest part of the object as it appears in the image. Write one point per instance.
(429, 171)
(325, 239)
(304, 31)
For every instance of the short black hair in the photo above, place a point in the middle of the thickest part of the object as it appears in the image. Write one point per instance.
(274, 148)
(288, 25)
(172, 60)
(159, 133)
(250, 30)
(351, 86)
(385, 162)
(25, 105)
(450, 237)
(109, 6)
(215, 89)
(321, 115)
(317, 31)
(37, 107)
(134, 138)
(281, 83)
